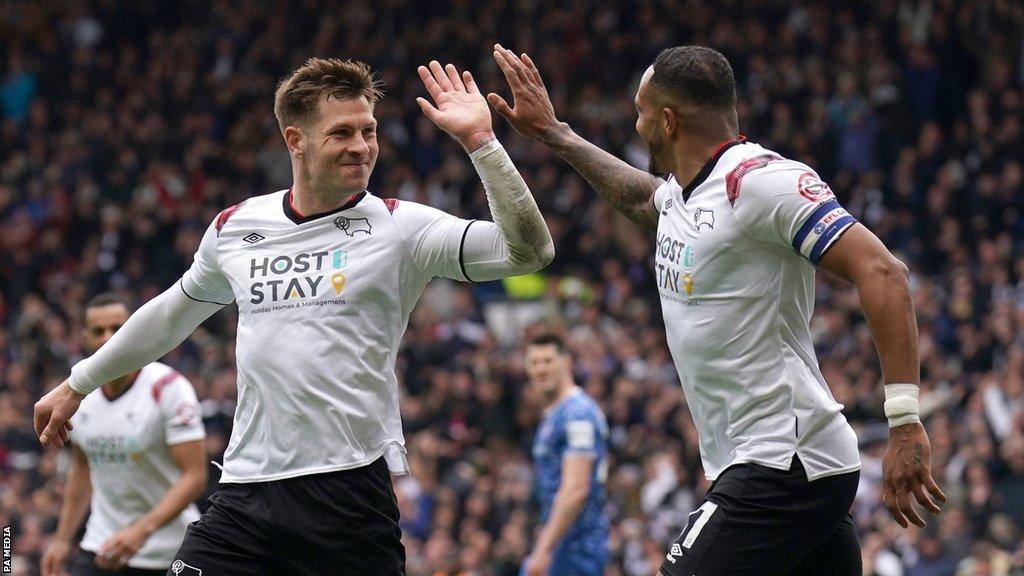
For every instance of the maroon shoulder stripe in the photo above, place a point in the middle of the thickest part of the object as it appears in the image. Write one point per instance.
(159, 385)
(733, 178)
(226, 213)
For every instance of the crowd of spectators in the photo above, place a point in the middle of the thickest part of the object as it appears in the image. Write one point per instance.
(126, 127)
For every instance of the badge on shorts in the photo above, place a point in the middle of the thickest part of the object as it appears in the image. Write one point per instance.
(179, 568)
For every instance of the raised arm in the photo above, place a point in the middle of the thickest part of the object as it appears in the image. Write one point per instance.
(628, 189)
(518, 240)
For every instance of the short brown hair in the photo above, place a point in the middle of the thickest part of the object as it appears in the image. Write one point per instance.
(106, 299)
(548, 339)
(296, 98)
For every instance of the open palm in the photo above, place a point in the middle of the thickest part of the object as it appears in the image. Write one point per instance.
(459, 109)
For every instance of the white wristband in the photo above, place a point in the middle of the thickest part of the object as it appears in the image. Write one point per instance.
(901, 404)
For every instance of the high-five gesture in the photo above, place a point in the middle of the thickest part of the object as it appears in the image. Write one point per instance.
(459, 109)
(532, 115)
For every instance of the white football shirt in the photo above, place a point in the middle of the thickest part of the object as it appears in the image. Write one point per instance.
(735, 261)
(323, 302)
(130, 466)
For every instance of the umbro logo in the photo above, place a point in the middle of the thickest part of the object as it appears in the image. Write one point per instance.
(253, 238)
(677, 550)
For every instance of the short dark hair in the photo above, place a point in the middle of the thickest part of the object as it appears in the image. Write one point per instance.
(695, 75)
(548, 339)
(106, 299)
(296, 98)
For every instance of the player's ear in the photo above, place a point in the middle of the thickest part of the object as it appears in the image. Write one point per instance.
(669, 121)
(293, 139)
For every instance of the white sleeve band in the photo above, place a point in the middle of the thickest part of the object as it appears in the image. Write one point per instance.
(901, 404)
(527, 241)
(152, 331)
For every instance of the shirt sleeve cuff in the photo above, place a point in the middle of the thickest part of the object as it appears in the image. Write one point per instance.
(485, 149)
(75, 380)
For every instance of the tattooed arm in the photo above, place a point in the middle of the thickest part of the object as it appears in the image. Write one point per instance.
(629, 190)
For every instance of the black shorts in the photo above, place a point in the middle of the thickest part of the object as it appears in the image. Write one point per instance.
(758, 520)
(340, 523)
(83, 563)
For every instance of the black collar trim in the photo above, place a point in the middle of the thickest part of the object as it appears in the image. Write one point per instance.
(300, 219)
(705, 171)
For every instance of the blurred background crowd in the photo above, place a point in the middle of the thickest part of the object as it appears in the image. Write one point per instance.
(126, 127)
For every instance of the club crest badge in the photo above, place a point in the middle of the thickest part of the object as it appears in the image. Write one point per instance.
(179, 568)
(352, 225)
(704, 217)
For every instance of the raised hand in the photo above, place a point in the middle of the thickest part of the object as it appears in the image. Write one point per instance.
(906, 472)
(459, 109)
(532, 113)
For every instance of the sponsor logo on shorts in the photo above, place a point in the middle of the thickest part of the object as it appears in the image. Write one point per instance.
(179, 568)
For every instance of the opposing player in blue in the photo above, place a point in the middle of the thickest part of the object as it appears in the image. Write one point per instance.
(570, 457)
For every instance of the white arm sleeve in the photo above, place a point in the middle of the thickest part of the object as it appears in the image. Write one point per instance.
(516, 242)
(525, 243)
(152, 331)
(486, 255)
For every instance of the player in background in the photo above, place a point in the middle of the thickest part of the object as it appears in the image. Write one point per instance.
(325, 276)
(740, 233)
(570, 459)
(137, 463)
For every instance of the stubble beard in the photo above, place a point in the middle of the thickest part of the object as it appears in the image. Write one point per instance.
(653, 149)
(326, 178)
